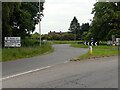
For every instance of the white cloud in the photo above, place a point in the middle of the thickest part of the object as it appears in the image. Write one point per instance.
(59, 13)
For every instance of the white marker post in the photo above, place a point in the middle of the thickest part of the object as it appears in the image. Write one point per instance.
(90, 49)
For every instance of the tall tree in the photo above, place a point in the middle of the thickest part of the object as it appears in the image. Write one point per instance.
(18, 18)
(106, 19)
(85, 30)
(7, 11)
(85, 27)
(24, 19)
(75, 28)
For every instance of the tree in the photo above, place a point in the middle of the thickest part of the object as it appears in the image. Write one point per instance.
(24, 19)
(75, 28)
(113, 32)
(56, 37)
(85, 27)
(106, 18)
(18, 18)
(7, 11)
(68, 36)
(35, 36)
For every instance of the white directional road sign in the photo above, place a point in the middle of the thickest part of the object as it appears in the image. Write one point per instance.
(12, 41)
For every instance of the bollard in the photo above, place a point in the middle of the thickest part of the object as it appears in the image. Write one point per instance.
(90, 49)
(113, 45)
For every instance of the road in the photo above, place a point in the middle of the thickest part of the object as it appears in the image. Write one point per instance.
(91, 73)
(61, 54)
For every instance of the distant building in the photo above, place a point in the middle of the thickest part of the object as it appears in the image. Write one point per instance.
(60, 35)
(56, 33)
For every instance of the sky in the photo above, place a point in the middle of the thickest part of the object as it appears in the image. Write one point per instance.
(58, 14)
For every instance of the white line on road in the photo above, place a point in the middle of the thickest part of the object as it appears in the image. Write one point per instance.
(31, 71)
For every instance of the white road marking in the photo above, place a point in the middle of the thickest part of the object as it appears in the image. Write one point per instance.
(31, 71)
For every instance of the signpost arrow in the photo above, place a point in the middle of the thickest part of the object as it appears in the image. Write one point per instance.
(84, 43)
(92, 43)
(95, 43)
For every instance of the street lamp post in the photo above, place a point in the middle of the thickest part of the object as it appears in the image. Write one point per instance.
(40, 31)
(39, 22)
(40, 17)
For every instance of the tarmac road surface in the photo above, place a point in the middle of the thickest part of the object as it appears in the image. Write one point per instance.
(91, 73)
(62, 53)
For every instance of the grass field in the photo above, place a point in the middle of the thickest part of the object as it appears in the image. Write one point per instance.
(9, 54)
(98, 51)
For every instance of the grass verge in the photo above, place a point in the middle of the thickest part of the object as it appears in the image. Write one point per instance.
(65, 42)
(9, 54)
(79, 45)
(98, 51)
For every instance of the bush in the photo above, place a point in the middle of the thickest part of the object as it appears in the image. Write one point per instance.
(30, 43)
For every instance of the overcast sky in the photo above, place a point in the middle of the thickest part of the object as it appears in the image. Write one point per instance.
(59, 13)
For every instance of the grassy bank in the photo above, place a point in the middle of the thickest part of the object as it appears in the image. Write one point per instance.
(98, 51)
(65, 42)
(25, 52)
